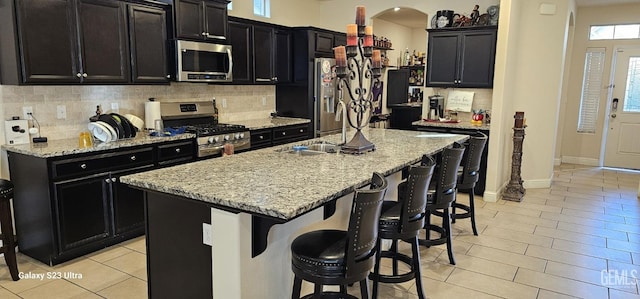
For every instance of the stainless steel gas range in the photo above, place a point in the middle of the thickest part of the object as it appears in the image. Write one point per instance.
(198, 118)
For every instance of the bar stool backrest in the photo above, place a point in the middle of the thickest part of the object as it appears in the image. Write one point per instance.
(414, 199)
(471, 161)
(447, 177)
(363, 226)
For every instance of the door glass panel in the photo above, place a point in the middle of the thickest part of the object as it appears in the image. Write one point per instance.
(632, 91)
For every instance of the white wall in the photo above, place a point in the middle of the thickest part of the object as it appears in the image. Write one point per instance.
(581, 147)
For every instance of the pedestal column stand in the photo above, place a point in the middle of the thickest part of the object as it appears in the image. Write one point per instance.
(514, 190)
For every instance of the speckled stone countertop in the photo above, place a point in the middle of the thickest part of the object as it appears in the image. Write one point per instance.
(284, 185)
(460, 125)
(54, 148)
(265, 123)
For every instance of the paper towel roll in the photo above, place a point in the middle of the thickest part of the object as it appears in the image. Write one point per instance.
(151, 113)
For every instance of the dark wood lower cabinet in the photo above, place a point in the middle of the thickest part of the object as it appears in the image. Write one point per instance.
(72, 205)
(82, 207)
(179, 265)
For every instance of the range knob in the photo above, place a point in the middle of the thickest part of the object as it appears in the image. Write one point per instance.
(226, 137)
(213, 139)
(241, 135)
(236, 136)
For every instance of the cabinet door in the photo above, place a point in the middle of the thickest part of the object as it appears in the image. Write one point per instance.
(189, 19)
(240, 39)
(477, 58)
(283, 56)
(215, 17)
(47, 36)
(128, 207)
(263, 53)
(324, 42)
(103, 41)
(340, 40)
(442, 59)
(82, 211)
(148, 38)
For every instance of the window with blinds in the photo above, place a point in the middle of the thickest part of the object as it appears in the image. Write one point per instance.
(591, 90)
(262, 8)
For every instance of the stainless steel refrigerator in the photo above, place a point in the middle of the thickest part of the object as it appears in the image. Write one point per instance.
(325, 97)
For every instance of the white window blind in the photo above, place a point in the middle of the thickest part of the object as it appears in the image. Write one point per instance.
(591, 90)
(262, 8)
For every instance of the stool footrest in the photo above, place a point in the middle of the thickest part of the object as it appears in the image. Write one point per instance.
(464, 207)
(437, 241)
(330, 295)
(404, 277)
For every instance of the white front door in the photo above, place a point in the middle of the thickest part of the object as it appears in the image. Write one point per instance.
(622, 147)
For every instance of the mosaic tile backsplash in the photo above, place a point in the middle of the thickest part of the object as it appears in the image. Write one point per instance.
(243, 102)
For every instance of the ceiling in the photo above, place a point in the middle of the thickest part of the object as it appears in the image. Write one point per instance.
(412, 18)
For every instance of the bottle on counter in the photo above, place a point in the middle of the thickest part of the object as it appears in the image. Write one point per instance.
(215, 112)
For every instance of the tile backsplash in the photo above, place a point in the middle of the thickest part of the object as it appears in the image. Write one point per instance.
(242, 102)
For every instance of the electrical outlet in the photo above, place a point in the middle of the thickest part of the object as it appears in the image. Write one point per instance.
(26, 111)
(264, 101)
(115, 107)
(206, 234)
(224, 103)
(61, 112)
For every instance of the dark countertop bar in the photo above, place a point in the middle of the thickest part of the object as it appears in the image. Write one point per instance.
(459, 125)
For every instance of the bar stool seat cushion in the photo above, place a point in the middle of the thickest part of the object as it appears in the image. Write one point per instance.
(321, 252)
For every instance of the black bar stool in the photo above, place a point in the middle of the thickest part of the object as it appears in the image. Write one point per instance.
(468, 178)
(442, 193)
(6, 227)
(403, 220)
(337, 257)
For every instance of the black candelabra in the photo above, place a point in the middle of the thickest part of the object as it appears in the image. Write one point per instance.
(358, 68)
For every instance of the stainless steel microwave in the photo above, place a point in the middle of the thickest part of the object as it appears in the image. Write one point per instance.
(203, 62)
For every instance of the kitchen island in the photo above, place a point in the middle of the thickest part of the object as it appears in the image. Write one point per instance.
(256, 203)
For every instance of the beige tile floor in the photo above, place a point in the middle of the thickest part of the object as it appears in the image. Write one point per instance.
(578, 239)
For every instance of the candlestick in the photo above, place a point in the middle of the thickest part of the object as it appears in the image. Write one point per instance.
(519, 122)
(376, 59)
(341, 56)
(368, 36)
(352, 35)
(360, 12)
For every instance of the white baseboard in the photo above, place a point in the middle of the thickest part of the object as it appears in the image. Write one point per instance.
(580, 161)
(537, 184)
(557, 161)
(490, 196)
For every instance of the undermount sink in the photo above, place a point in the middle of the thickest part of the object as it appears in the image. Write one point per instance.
(313, 149)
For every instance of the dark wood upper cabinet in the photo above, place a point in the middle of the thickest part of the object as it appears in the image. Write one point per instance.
(283, 56)
(83, 42)
(201, 19)
(263, 47)
(104, 45)
(148, 39)
(262, 53)
(240, 39)
(47, 31)
(461, 57)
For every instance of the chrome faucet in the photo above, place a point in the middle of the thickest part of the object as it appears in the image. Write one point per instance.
(342, 109)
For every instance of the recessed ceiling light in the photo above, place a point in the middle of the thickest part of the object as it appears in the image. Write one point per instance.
(396, 8)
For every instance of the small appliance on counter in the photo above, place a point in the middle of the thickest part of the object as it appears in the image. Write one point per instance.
(16, 131)
(436, 107)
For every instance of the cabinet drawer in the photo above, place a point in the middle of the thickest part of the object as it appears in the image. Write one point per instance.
(324, 42)
(291, 132)
(173, 151)
(102, 163)
(261, 138)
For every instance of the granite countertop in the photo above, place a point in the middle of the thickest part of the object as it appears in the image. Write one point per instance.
(460, 125)
(265, 123)
(284, 185)
(54, 148)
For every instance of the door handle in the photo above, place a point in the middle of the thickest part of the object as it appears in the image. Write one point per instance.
(613, 115)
